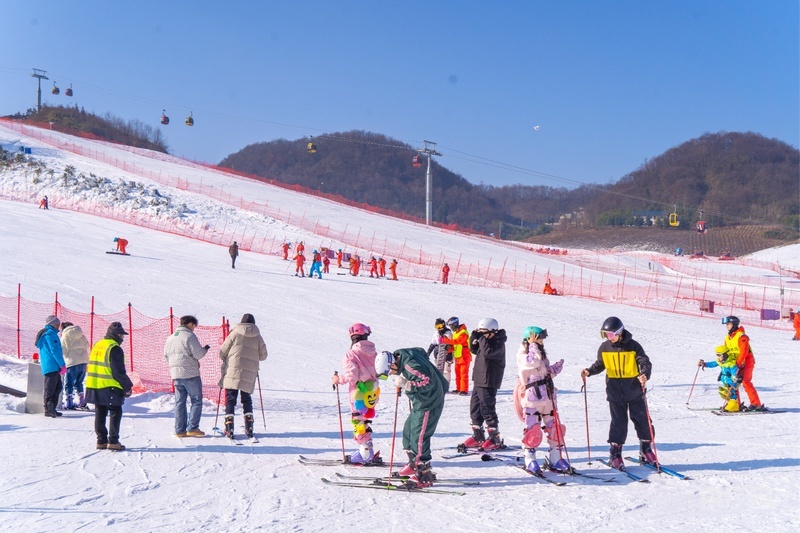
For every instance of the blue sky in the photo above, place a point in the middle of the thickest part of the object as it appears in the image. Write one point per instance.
(609, 83)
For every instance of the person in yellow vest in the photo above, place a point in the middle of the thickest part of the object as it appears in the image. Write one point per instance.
(107, 386)
(738, 345)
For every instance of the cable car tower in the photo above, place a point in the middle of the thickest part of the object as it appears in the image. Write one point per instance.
(40, 74)
(429, 150)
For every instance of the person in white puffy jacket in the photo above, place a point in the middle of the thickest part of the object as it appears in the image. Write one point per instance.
(183, 352)
(535, 401)
(76, 356)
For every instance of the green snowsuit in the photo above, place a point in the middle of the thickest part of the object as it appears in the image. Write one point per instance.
(426, 388)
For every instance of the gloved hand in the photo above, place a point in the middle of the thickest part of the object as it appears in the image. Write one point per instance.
(63, 370)
(128, 393)
(739, 375)
(400, 382)
(206, 347)
(701, 363)
(555, 369)
(448, 358)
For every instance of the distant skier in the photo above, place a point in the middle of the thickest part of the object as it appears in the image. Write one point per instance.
(121, 245)
(373, 267)
(339, 257)
(549, 289)
(299, 261)
(445, 273)
(233, 250)
(326, 264)
(300, 247)
(285, 248)
(381, 267)
(316, 265)
(796, 323)
(393, 269)
(44, 203)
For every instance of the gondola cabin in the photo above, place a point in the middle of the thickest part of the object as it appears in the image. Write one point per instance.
(68, 92)
(673, 220)
(701, 226)
(55, 89)
(164, 117)
(415, 162)
(312, 148)
(190, 120)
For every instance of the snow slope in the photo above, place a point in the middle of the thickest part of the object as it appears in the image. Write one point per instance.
(51, 479)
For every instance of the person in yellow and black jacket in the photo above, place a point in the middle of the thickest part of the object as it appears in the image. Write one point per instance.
(107, 386)
(627, 370)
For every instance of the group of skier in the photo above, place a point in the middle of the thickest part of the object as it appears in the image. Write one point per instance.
(320, 262)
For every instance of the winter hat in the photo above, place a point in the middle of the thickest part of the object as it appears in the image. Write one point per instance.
(52, 320)
(439, 323)
(247, 318)
(115, 329)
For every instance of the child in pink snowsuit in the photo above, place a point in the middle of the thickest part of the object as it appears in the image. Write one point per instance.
(535, 399)
(359, 372)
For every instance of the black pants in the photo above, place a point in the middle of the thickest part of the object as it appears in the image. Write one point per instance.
(114, 413)
(52, 388)
(230, 401)
(482, 407)
(233, 261)
(618, 431)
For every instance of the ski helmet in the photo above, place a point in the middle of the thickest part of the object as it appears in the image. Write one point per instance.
(489, 324)
(360, 329)
(722, 353)
(534, 330)
(452, 322)
(440, 323)
(611, 325)
(732, 320)
(383, 364)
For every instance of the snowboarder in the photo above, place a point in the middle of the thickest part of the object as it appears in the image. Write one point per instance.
(729, 388)
(536, 397)
(107, 386)
(445, 273)
(393, 269)
(461, 354)
(299, 261)
(738, 344)
(488, 343)
(364, 391)
(233, 250)
(75, 347)
(121, 244)
(183, 352)
(52, 362)
(241, 355)
(425, 387)
(442, 353)
(627, 370)
(316, 265)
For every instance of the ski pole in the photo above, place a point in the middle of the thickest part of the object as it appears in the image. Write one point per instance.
(339, 410)
(693, 382)
(586, 408)
(216, 417)
(261, 399)
(394, 431)
(559, 436)
(650, 426)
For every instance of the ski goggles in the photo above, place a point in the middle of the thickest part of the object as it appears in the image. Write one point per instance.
(543, 334)
(610, 334)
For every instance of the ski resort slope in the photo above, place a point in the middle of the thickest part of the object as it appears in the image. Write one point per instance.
(743, 468)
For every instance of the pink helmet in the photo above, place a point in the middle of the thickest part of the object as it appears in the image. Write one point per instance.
(360, 329)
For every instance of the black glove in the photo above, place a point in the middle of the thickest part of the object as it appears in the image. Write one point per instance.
(206, 347)
(448, 358)
(739, 376)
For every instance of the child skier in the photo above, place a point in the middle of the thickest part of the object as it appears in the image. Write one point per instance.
(359, 373)
(729, 390)
(442, 352)
(535, 401)
(316, 265)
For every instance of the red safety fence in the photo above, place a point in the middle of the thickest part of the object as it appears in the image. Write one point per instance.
(21, 320)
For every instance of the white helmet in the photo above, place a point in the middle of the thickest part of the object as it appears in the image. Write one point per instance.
(383, 364)
(488, 323)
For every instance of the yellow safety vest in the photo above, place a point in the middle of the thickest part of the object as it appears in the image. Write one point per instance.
(732, 344)
(98, 373)
(458, 349)
(620, 364)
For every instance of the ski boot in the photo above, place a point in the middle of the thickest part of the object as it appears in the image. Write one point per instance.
(82, 402)
(248, 425)
(558, 462)
(410, 468)
(493, 441)
(531, 465)
(615, 456)
(229, 426)
(363, 455)
(423, 477)
(475, 441)
(70, 405)
(646, 453)
(732, 406)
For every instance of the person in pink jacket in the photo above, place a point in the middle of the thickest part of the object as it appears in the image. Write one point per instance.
(359, 373)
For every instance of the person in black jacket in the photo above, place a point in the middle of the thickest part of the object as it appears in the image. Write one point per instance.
(107, 386)
(627, 370)
(488, 344)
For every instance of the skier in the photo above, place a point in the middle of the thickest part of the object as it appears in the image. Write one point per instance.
(326, 264)
(241, 355)
(75, 348)
(739, 348)
(627, 370)
(285, 248)
(442, 353)
(339, 257)
(356, 264)
(301, 247)
(425, 387)
(729, 390)
(373, 267)
(796, 324)
(488, 343)
(107, 386)
(233, 250)
(121, 244)
(359, 373)
(381, 267)
(549, 289)
(445, 273)
(52, 362)
(316, 265)
(393, 269)
(44, 203)
(537, 401)
(461, 354)
(299, 261)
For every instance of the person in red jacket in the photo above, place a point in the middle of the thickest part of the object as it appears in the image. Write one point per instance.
(796, 323)
(44, 203)
(121, 244)
(461, 354)
(285, 247)
(381, 267)
(393, 269)
(356, 264)
(299, 261)
(549, 289)
(373, 267)
(301, 247)
(739, 347)
(326, 263)
(339, 256)
(445, 273)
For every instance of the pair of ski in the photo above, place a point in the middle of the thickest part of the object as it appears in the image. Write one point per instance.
(634, 477)
(233, 440)
(722, 412)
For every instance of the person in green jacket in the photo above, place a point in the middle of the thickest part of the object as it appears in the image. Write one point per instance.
(426, 388)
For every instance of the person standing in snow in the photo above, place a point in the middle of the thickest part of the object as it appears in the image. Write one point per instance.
(339, 257)
(393, 269)
(442, 352)
(233, 250)
(44, 203)
(299, 261)
(75, 347)
(445, 273)
(728, 377)
(739, 348)
(488, 343)
(627, 370)
(326, 264)
(425, 387)
(316, 265)
(285, 248)
(107, 386)
(364, 390)
(183, 352)
(52, 362)
(373, 267)
(381, 267)
(536, 397)
(796, 324)
(461, 354)
(241, 354)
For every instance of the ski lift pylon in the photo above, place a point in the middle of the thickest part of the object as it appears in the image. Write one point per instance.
(164, 117)
(190, 120)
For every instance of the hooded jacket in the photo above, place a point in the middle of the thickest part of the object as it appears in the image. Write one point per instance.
(75, 346)
(489, 349)
(623, 361)
(241, 354)
(50, 354)
(359, 364)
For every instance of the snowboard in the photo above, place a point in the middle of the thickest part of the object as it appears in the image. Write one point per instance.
(117, 253)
